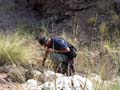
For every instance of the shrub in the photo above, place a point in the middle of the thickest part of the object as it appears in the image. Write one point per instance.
(14, 48)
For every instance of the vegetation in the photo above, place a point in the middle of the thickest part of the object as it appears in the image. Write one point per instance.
(15, 48)
(102, 57)
(97, 37)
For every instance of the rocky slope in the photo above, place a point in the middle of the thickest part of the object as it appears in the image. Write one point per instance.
(13, 15)
(78, 17)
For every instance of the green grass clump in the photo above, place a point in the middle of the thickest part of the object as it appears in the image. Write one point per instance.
(14, 48)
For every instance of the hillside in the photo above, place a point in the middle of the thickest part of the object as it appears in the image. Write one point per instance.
(92, 26)
(79, 17)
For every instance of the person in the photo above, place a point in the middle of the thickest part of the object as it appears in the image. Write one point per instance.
(58, 49)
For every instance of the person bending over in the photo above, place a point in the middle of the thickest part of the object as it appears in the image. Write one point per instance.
(58, 49)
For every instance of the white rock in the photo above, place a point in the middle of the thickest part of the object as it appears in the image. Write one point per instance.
(61, 82)
(50, 76)
(37, 74)
(82, 82)
(58, 75)
(75, 82)
(31, 84)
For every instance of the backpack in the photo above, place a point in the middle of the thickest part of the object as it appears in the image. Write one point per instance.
(73, 52)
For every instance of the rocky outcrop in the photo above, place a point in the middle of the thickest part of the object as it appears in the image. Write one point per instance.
(81, 18)
(14, 15)
(75, 82)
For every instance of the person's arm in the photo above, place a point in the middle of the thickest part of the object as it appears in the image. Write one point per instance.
(51, 50)
(63, 50)
(45, 57)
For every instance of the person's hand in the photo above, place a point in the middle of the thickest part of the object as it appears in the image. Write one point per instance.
(43, 63)
(50, 50)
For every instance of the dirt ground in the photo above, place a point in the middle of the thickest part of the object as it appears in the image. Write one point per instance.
(6, 85)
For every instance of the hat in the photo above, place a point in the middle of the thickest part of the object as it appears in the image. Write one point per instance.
(42, 40)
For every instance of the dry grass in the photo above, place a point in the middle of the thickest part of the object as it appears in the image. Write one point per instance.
(16, 48)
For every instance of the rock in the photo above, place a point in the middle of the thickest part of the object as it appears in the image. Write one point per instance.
(33, 75)
(3, 78)
(29, 74)
(50, 76)
(75, 82)
(36, 74)
(56, 81)
(31, 84)
(6, 68)
(17, 74)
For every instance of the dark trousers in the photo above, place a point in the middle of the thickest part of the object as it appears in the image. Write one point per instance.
(67, 68)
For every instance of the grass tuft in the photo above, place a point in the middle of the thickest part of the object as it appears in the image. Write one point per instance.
(14, 48)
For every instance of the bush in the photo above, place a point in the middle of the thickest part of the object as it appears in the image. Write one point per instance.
(14, 48)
